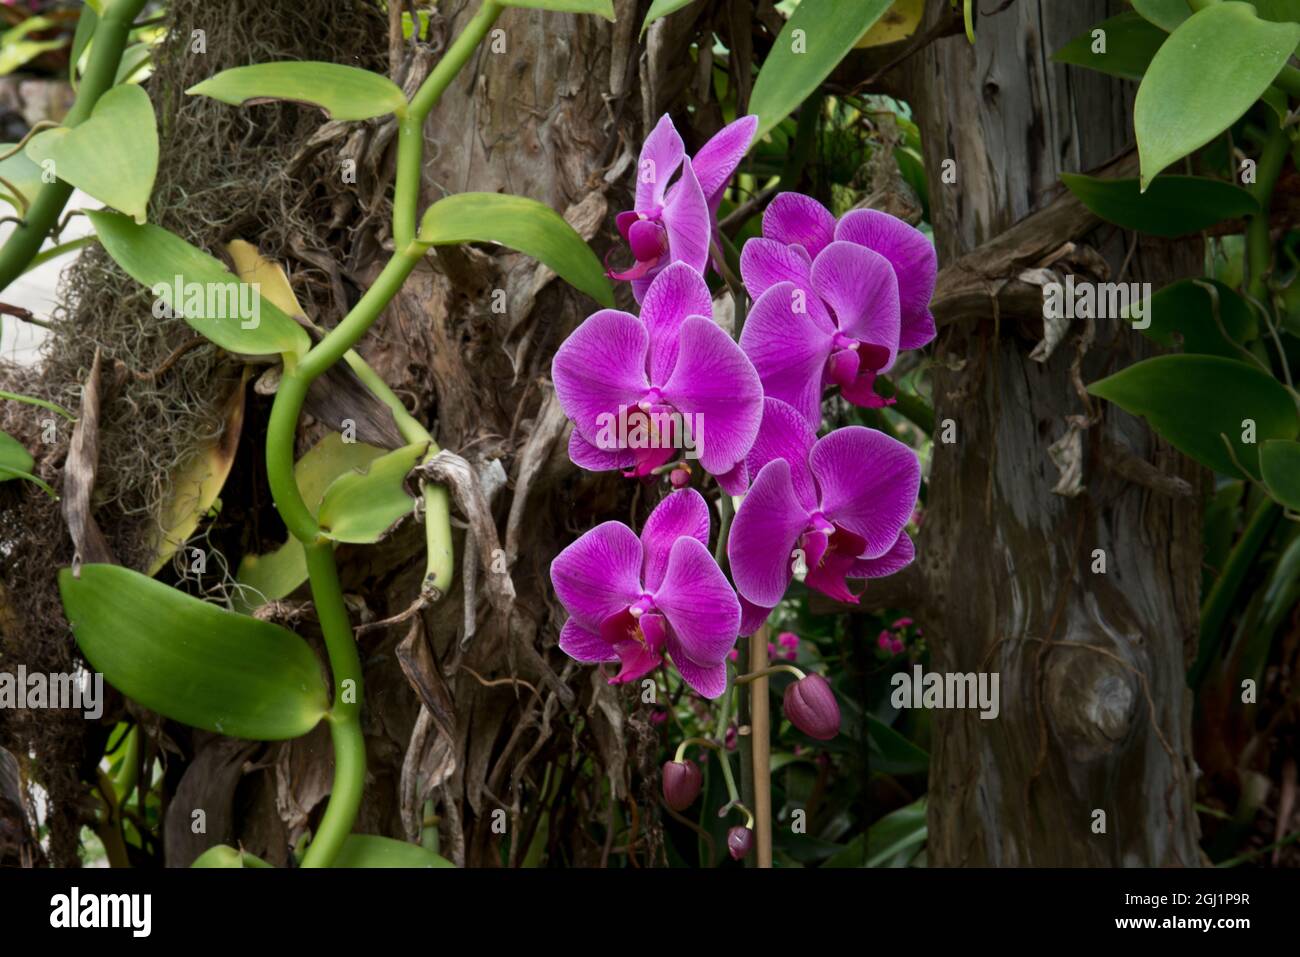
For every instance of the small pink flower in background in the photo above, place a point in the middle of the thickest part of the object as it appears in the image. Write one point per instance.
(632, 599)
(618, 373)
(675, 223)
(901, 624)
(731, 738)
(897, 646)
(658, 715)
(886, 640)
(771, 651)
(733, 655)
(788, 640)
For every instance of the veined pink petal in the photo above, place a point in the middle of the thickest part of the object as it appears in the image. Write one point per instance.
(899, 556)
(709, 680)
(702, 611)
(714, 382)
(599, 575)
(915, 263)
(661, 154)
(763, 535)
(766, 262)
(638, 641)
(648, 240)
(785, 434)
(860, 287)
(587, 456)
(677, 292)
(583, 645)
(868, 483)
(734, 481)
(683, 512)
(799, 220)
(601, 367)
(752, 617)
(686, 217)
(788, 348)
(717, 159)
(827, 577)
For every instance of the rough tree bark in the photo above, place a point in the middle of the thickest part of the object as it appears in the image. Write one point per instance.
(1095, 713)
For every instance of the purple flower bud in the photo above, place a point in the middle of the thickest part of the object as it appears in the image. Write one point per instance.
(680, 477)
(682, 780)
(811, 706)
(740, 841)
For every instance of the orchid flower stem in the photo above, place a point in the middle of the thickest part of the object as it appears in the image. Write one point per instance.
(720, 734)
(1259, 244)
(110, 37)
(700, 742)
(771, 670)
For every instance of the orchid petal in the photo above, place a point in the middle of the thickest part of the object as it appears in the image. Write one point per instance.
(785, 434)
(677, 292)
(915, 263)
(600, 368)
(734, 481)
(681, 513)
(599, 575)
(686, 217)
(586, 455)
(717, 159)
(763, 535)
(585, 646)
(860, 287)
(868, 484)
(708, 680)
(661, 154)
(752, 617)
(899, 556)
(789, 348)
(766, 262)
(699, 604)
(713, 381)
(800, 221)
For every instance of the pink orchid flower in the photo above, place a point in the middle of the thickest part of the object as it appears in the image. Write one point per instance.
(672, 377)
(675, 221)
(838, 504)
(634, 599)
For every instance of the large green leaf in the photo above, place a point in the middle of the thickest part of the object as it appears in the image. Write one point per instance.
(223, 855)
(14, 457)
(343, 92)
(602, 8)
(276, 574)
(369, 850)
(1197, 313)
(1279, 461)
(190, 660)
(113, 155)
(209, 293)
(1166, 14)
(816, 37)
(1170, 206)
(361, 506)
(891, 753)
(522, 224)
(895, 832)
(1195, 401)
(1130, 43)
(22, 176)
(1208, 73)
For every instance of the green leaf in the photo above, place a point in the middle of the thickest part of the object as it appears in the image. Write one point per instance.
(1193, 400)
(22, 175)
(1208, 73)
(343, 92)
(13, 457)
(86, 24)
(1279, 461)
(113, 155)
(896, 831)
(225, 856)
(522, 224)
(817, 36)
(1166, 14)
(1184, 313)
(361, 506)
(190, 660)
(891, 753)
(368, 850)
(660, 9)
(209, 294)
(1170, 206)
(1130, 43)
(276, 574)
(601, 8)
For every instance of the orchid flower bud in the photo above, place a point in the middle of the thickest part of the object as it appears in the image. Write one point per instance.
(811, 706)
(740, 841)
(682, 780)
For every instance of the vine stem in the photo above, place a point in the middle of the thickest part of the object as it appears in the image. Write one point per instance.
(111, 34)
(327, 594)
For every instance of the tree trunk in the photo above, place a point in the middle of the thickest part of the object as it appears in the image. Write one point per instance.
(1095, 713)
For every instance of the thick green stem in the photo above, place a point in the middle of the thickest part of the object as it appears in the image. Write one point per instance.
(1259, 244)
(111, 34)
